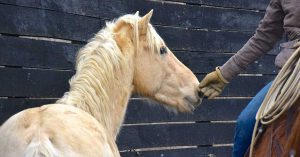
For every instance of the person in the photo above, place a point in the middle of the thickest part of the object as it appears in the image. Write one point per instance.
(281, 16)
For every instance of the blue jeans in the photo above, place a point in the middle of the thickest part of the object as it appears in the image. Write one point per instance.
(245, 123)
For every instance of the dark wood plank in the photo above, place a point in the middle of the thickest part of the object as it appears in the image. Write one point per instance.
(245, 86)
(22, 52)
(86, 8)
(171, 14)
(200, 62)
(19, 20)
(37, 22)
(199, 40)
(238, 4)
(146, 136)
(223, 151)
(17, 82)
(190, 16)
(38, 83)
(141, 111)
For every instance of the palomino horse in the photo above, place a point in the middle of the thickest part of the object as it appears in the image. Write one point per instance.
(126, 56)
(279, 115)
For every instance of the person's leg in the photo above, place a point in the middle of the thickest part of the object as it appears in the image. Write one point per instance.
(245, 123)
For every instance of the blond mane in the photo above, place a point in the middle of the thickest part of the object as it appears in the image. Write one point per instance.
(96, 65)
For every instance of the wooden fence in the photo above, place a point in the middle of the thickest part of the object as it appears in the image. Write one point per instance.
(39, 40)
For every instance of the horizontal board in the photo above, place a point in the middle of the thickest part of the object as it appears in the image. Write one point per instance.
(85, 8)
(201, 62)
(52, 84)
(198, 40)
(238, 4)
(88, 8)
(22, 52)
(37, 22)
(162, 135)
(223, 151)
(191, 16)
(142, 111)
(245, 86)
(16, 82)
(19, 20)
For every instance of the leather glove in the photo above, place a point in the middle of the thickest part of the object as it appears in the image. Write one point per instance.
(213, 84)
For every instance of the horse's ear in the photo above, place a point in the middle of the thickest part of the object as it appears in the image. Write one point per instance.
(137, 13)
(144, 21)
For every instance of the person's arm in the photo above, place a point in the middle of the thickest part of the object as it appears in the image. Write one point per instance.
(267, 34)
(269, 31)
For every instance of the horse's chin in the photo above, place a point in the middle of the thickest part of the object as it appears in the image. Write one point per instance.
(171, 109)
(185, 107)
(198, 103)
(189, 105)
(185, 104)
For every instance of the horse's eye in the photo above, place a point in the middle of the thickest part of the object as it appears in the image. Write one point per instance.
(163, 50)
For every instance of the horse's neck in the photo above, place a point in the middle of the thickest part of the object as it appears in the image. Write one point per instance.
(108, 104)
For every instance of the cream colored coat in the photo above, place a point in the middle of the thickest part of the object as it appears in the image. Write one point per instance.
(127, 56)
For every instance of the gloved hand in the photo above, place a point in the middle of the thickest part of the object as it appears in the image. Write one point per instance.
(296, 45)
(213, 84)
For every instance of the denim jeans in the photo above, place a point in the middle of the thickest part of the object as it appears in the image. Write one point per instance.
(245, 123)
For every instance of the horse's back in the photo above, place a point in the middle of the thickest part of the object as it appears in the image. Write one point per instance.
(54, 130)
(276, 138)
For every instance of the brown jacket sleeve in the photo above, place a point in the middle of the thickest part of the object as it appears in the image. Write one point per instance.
(267, 34)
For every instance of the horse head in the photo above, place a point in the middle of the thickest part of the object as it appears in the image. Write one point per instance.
(158, 74)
